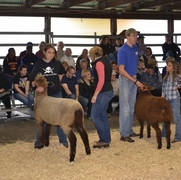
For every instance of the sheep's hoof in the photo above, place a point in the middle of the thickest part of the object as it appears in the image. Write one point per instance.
(168, 147)
(141, 136)
(46, 145)
(159, 146)
(149, 136)
(72, 158)
(88, 152)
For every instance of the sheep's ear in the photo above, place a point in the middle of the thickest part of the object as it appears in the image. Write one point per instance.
(40, 89)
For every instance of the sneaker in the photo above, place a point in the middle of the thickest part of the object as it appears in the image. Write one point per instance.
(126, 139)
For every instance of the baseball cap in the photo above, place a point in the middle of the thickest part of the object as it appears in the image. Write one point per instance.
(141, 36)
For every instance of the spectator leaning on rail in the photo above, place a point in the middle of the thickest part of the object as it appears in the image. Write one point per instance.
(29, 59)
(22, 53)
(169, 45)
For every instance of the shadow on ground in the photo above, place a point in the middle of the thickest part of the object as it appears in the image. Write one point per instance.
(23, 128)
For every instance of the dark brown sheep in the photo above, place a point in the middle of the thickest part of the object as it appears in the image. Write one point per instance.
(67, 113)
(153, 110)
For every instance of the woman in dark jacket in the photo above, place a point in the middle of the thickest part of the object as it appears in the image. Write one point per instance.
(103, 93)
(86, 88)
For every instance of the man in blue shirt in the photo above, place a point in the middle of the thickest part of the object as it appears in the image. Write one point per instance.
(128, 61)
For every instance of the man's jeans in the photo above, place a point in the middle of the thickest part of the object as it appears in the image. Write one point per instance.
(61, 136)
(99, 116)
(127, 101)
(175, 105)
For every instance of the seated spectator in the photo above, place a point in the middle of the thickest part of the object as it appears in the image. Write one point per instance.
(115, 67)
(71, 88)
(83, 65)
(68, 58)
(21, 87)
(10, 65)
(24, 52)
(5, 90)
(86, 89)
(60, 51)
(40, 53)
(115, 84)
(65, 65)
(84, 55)
(152, 80)
(141, 45)
(117, 47)
(140, 69)
(153, 61)
(29, 59)
(148, 54)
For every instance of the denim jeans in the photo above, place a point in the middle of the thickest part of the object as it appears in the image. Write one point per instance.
(127, 101)
(61, 135)
(175, 105)
(26, 101)
(99, 116)
(82, 100)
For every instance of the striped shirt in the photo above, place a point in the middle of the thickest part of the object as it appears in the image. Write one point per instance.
(168, 88)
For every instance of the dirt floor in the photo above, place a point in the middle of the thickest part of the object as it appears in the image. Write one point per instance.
(23, 128)
(140, 160)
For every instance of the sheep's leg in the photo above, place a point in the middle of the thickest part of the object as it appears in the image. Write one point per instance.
(158, 134)
(168, 133)
(47, 134)
(141, 127)
(41, 131)
(73, 140)
(148, 130)
(84, 137)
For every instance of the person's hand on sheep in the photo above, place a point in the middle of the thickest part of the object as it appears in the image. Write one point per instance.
(139, 85)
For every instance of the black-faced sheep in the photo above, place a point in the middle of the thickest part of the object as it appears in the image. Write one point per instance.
(67, 113)
(153, 110)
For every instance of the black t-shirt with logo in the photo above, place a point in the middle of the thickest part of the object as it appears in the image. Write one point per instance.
(50, 70)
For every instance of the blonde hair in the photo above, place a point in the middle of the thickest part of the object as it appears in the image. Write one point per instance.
(84, 73)
(65, 63)
(96, 51)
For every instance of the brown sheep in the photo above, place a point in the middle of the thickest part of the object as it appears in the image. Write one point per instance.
(153, 110)
(67, 113)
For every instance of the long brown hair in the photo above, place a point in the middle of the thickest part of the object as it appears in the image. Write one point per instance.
(175, 71)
